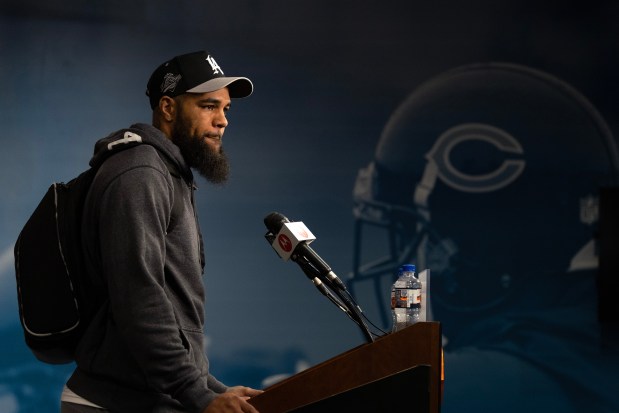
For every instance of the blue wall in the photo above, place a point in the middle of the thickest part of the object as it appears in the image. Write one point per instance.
(328, 77)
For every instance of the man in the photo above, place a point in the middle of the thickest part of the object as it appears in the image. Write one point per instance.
(144, 350)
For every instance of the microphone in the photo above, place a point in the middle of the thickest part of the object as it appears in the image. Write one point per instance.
(291, 240)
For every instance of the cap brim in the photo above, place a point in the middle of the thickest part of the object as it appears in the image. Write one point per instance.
(239, 87)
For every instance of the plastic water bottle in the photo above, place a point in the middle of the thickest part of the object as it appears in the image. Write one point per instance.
(405, 298)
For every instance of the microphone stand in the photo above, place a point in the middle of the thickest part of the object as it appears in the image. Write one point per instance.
(342, 301)
(310, 272)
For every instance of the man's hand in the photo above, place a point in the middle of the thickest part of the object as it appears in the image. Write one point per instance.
(243, 391)
(234, 401)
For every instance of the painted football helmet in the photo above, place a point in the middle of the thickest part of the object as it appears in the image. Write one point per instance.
(488, 175)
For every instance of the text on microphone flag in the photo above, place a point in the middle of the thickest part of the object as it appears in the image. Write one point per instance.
(284, 242)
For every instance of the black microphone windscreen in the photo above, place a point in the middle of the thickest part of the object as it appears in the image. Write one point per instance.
(274, 221)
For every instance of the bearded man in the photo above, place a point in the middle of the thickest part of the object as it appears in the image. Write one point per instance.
(144, 350)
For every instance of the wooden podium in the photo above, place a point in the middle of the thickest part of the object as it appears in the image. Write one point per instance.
(399, 371)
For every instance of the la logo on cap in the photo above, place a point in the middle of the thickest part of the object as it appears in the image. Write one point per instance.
(214, 65)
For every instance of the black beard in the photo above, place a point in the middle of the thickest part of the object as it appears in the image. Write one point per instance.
(210, 163)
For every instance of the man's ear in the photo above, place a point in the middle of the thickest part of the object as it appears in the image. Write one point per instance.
(167, 107)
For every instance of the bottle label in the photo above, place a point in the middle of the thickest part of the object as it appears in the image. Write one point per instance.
(406, 298)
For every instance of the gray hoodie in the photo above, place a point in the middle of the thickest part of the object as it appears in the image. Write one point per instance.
(144, 350)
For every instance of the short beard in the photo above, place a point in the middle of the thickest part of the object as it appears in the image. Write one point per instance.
(211, 164)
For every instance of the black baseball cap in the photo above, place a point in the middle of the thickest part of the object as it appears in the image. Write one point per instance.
(196, 72)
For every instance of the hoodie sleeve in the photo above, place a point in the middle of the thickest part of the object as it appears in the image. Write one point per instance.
(135, 212)
(216, 385)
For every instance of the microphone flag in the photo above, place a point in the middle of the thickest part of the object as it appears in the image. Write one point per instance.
(289, 236)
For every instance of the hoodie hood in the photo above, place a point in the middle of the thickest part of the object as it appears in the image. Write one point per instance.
(140, 134)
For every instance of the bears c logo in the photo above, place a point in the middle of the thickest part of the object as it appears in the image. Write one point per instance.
(506, 173)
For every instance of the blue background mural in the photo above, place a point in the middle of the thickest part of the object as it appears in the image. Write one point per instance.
(330, 78)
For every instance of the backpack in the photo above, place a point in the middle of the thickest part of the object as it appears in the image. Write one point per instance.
(56, 297)
(49, 268)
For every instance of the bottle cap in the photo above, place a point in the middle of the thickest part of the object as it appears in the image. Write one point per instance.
(407, 268)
